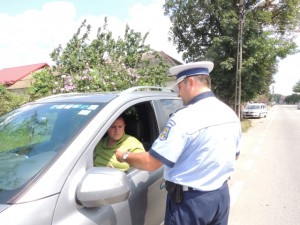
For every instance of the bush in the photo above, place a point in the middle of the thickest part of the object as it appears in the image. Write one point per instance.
(246, 124)
(10, 101)
(101, 64)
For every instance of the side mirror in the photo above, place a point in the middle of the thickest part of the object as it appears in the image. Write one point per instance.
(102, 186)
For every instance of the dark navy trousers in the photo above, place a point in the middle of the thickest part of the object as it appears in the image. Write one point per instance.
(199, 208)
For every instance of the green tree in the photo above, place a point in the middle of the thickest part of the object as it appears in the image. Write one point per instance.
(9, 100)
(292, 99)
(43, 84)
(296, 87)
(102, 64)
(208, 30)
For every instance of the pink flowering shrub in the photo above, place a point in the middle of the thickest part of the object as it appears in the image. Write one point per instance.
(103, 64)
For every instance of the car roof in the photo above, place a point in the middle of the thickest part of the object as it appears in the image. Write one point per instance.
(256, 104)
(97, 97)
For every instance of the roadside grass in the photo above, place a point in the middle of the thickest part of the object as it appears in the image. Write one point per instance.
(246, 124)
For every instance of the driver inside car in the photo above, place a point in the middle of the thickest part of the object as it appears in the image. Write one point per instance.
(104, 153)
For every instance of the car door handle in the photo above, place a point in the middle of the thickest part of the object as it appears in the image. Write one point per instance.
(162, 185)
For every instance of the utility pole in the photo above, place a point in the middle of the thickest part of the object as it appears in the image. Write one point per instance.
(238, 81)
(239, 60)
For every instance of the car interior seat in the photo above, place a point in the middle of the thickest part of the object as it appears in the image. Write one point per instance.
(135, 128)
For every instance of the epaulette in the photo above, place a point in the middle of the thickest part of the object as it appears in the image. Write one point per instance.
(177, 111)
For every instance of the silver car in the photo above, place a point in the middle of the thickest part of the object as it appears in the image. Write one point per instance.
(255, 110)
(46, 160)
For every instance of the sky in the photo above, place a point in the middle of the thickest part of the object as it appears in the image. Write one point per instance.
(30, 30)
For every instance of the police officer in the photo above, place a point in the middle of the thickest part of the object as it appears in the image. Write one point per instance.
(198, 148)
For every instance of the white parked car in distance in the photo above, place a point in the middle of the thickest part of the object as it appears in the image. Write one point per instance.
(255, 110)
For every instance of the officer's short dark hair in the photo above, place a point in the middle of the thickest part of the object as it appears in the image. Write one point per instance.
(204, 79)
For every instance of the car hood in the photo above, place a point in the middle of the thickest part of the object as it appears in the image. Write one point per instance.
(251, 110)
(3, 207)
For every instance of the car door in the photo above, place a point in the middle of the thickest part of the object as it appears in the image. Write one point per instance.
(152, 116)
(164, 109)
(146, 201)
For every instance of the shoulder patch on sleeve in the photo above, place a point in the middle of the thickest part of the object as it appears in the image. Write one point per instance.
(164, 134)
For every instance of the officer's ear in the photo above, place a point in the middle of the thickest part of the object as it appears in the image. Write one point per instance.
(191, 81)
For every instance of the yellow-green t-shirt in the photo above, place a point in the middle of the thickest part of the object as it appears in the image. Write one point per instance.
(105, 156)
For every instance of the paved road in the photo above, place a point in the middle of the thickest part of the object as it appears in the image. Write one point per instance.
(265, 189)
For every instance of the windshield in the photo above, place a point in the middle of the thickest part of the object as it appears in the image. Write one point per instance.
(31, 136)
(253, 107)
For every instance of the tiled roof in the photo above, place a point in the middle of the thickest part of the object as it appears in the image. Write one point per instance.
(9, 76)
(171, 60)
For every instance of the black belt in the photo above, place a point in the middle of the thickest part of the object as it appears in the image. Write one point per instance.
(187, 188)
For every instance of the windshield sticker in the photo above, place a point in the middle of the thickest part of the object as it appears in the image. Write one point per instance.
(57, 106)
(60, 106)
(68, 106)
(93, 107)
(84, 112)
(53, 107)
(84, 106)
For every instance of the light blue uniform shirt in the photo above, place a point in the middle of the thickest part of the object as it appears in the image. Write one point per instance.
(199, 144)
